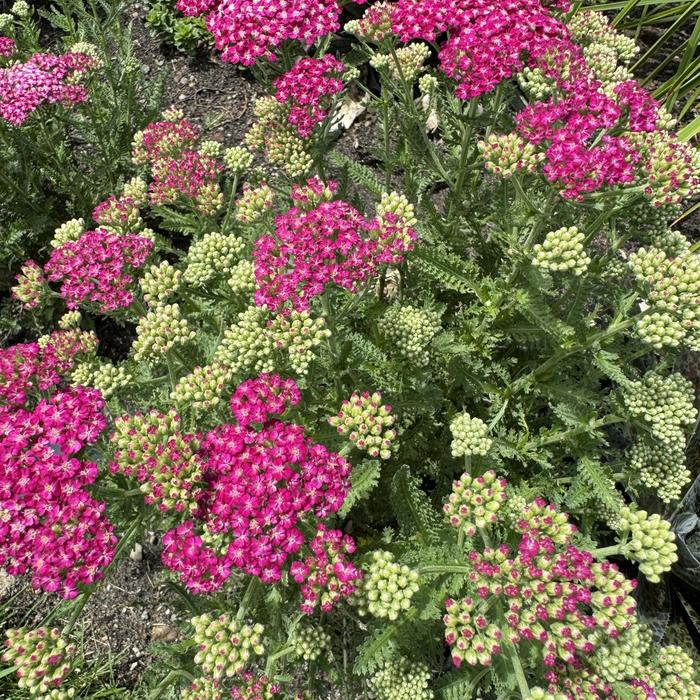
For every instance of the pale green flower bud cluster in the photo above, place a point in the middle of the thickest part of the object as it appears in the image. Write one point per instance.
(509, 154)
(242, 279)
(210, 148)
(410, 330)
(299, 335)
(673, 675)
(136, 189)
(562, 250)
(535, 83)
(203, 388)
(661, 329)
(160, 330)
(6, 21)
(673, 243)
(70, 319)
(375, 23)
(408, 63)
(619, 658)
(247, 346)
(42, 658)
(665, 404)
(203, 689)
(254, 203)
(594, 28)
(70, 231)
(225, 645)
(159, 283)
(88, 49)
(475, 501)
(660, 467)
(402, 680)
(273, 135)
(310, 641)
(215, 254)
(237, 160)
(538, 693)
(21, 9)
(650, 542)
(602, 60)
(351, 73)
(367, 423)
(469, 436)
(646, 221)
(386, 588)
(109, 379)
(397, 204)
(428, 85)
(173, 114)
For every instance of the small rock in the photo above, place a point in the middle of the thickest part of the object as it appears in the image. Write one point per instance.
(163, 633)
(136, 554)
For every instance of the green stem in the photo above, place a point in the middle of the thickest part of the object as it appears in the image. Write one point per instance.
(444, 569)
(250, 591)
(519, 672)
(285, 651)
(604, 552)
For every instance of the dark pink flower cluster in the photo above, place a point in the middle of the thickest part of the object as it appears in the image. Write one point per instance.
(488, 40)
(307, 88)
(97, 268)
(32, 366)
(331, 243)
(326, 575)
(165, 140)
(42, 78)
(191, 176)
(246, 30)
(49, 524)
(259, 485)
(7, 46)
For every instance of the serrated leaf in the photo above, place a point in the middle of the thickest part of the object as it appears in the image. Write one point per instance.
(363, 480)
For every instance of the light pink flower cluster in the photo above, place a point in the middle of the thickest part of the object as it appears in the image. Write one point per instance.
(331, 243)
(326, 575)
(164, 140)
(246, 30)
(49, 524)
(43, 78)
(306, 89)
(31, 285)
(313, 192)
(97, 268)
(7, 46)
(488, 40)
(552, 594)
(30, 366)
(120, 213)
(260, 484)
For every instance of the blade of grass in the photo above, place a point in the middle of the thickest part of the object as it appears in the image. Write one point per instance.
(690, 130)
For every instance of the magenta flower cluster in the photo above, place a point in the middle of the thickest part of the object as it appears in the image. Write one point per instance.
(331, 243)
(326, 575)
(246, 30)
(31, 367)
(97, 268)
(49, 524)
(488, 40)
(7, 46)
(260, 484)
(43, 78)
(307, 88)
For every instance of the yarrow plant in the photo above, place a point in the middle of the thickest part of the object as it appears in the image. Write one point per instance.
(407, 427)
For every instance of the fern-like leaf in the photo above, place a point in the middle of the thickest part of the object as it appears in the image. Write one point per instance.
(360, 174)
(364, 478)
(413, 509)
(601, 483)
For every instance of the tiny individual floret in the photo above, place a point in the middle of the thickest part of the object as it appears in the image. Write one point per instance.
(407, 62)
(254, 203)
(410, 330)
(310, 641)
(204, 388)
(475, 501)
(70, 231)
(237, 160)
(225, 645)
(401, 679)
(213, 255)
(160, 330)
(43, 661)
(159, 283)
(562, 250)
(367, 423)
(469, 436)
(648, 540)
(386, 587)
